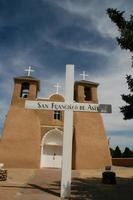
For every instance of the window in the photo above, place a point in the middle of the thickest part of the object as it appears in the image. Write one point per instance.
(25, 90)
(57, 114)
(87, 94)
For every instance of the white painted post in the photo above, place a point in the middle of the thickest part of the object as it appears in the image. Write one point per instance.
(68, 134)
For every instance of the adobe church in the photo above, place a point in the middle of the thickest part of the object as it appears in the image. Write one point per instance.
(33, 138)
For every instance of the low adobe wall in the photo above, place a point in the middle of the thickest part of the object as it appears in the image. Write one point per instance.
(125, 162)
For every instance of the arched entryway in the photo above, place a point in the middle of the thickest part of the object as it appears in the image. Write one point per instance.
(51, 149)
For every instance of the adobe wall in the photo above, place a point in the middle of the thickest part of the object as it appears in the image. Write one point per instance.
(24, 129)
(20, 142)
(46, 118)
(91, 144)
(124, 162)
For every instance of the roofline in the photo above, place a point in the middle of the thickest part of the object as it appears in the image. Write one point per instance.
(28, 78)
(86, 82)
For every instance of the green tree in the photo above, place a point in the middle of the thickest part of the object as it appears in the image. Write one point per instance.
(125, 41)
(117, 153)
(127, 153)
(112, 152)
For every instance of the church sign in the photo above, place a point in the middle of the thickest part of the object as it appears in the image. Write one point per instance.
(83, 107)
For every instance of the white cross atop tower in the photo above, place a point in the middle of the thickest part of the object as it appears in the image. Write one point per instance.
(57, 86)
(84, 75)
(29, 70)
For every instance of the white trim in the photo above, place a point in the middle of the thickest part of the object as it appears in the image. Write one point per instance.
(43, 143)
(52, 130)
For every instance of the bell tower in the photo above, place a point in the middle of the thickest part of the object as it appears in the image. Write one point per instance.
(25, 88)
(91, 143)
(21, 133)
(85, 91)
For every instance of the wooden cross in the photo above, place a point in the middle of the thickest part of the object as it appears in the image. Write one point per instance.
(68, 106)
(29, 70)
(84, 75)
(57, 88)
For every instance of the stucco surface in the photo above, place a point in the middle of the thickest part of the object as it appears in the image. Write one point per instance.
(20, 145)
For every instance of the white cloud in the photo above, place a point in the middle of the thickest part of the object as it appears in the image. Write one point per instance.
(121, 141)
(112, 85)
(80, 46)
(94, 11)
(88, 49)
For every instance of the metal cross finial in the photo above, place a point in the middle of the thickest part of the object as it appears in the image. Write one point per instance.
(84, 75)
(29, 70)
(57, 88)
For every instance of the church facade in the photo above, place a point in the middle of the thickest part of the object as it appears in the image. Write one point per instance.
(34, 138)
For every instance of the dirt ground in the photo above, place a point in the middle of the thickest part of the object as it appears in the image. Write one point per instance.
(44, 184)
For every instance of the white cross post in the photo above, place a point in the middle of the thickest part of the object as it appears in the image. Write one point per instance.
(57, 88)
(68, 134)
(29, 70)
(84, 75)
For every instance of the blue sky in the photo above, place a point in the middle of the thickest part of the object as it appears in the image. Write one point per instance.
(49, 34)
